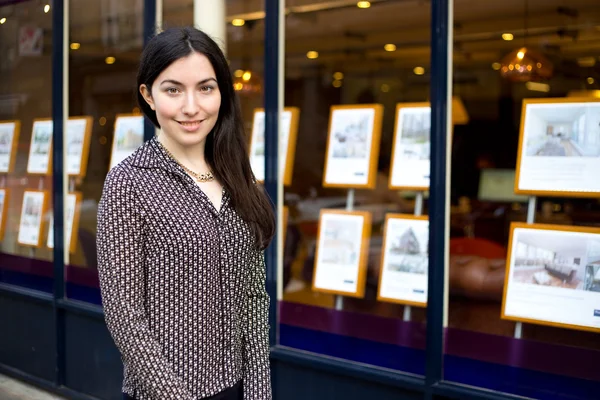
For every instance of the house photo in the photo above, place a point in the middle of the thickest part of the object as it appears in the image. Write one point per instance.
(563, 130)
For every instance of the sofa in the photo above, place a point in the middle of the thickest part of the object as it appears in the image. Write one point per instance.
(565, 272)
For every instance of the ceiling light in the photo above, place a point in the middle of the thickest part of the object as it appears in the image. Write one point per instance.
(507, 36)
(524, 64)
(2, 20)
(586, 61)
(246, 76)
(390, 47)
(590, 80)
(363, 4)
(47, 8)
(312, 54)
(496, 66)
(385, 88)
(110, 60)
(238, 73)
(338, 76)
(238, 86)
(75, 46)
(238, 22)
(538, 87)
(337, 84)
(419, 70)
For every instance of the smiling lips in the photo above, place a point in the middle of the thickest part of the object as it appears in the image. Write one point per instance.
(190, 126)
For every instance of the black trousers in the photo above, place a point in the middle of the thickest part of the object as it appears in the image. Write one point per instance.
(233, 393)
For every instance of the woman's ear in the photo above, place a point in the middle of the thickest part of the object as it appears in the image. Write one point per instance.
(147, 95)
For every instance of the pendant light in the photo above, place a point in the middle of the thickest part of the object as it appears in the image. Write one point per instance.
(525, 64)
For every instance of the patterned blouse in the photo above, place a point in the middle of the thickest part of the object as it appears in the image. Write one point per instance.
(182, 285)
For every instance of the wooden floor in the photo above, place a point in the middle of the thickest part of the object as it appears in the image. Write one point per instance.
(526, 276)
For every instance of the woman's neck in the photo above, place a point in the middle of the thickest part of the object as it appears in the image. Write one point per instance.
(191, 156)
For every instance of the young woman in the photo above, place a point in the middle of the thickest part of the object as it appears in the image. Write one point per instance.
(181, 229)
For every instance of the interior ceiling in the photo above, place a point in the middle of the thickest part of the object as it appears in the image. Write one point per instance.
(564, 30)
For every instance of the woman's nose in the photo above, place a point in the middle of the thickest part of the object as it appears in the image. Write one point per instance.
(190, 106)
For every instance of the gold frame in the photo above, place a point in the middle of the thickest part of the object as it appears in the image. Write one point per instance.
(400, 106)
(364, 253)
(49, 169)
(288, 169)
(549, 193)
(112, 147)
(388, 217)
(15, 144)
(374, 151)
(41, 227)
(4, 212)
(563, 228)
(87, 138)
(75, 226)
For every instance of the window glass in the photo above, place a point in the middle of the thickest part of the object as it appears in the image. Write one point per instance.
(347, 70)
(25, 144)
(523, 308)
(106, 39)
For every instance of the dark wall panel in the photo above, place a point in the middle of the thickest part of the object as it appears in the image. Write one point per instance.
(93, 363)
(27, 336)
(293, 382)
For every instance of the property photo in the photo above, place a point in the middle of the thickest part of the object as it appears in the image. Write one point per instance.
(351, 133)
(553, 258)
(6, 137)
(414, 129)
(341, 241)
(407, 250)
(258, 134)
(562, 130)
(42, 138)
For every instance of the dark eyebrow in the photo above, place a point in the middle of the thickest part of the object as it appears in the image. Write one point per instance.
(174, 82)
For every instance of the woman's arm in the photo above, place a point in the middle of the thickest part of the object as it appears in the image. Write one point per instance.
(122, 283)
(257, 373)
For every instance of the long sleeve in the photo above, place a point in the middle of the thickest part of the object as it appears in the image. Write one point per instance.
(122, 283)
(257, 375)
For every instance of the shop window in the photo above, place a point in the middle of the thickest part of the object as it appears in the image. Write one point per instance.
(356, 92)
(25, 145)
(523, 318)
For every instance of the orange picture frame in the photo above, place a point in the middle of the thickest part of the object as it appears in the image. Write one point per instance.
(40, 225)
(12, 156)
(373, 152)
(520, 156)
(74, 225)
(48, 157)
(393, 164)
(136, 144)
(380, 297)
(361, 253)
(509, 262)
(292, 136)
(3, 210)
(87, 138)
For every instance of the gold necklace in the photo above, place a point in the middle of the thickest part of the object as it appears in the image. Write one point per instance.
(203, 178)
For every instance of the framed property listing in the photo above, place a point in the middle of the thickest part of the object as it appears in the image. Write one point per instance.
(411, 148)
(128, 136)
(289, 132)
(552, 276)
(9, 139)
(342, 252)
(3, 210)
(40, 149)
(404, 260)
(559, 148)
(353, 146)
(72, 212)
(32, 217)
(79, 132)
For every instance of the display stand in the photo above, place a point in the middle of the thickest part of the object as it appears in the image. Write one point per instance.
(418, 212)
(339, 299)
(530, 220)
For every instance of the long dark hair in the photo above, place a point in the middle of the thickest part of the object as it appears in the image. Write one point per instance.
(226, 150)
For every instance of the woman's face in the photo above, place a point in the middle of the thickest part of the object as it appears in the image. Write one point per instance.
(186, 99)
